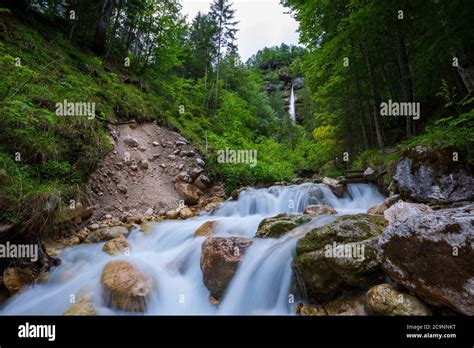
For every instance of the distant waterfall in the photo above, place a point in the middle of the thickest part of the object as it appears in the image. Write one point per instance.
(292, 105)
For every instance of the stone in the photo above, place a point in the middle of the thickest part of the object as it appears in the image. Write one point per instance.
(402, 210)
(125, 287)
(179, 143)
(431, 254)
(142, 148)
(172, 214)
(205, 230)
(431, 176)
(389, 201)
(122, 189)
(131, 142)
(319, 209)
(185, 177)
(104, 234)
(378, 209)
(277, 226)
(93, 227)
(144, 164)
(202, 182)
(188, 192)
(200, 162)
(116, 246)
(16, 279)
(82, 307)
(339, 256)
(149, 212)
(384, 299)
(335, 186)
(155, 143)
(196, 172)
(220, 258)
(134, 167)
(186, 213)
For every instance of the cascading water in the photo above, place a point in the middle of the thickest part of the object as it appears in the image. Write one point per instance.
(292, 110)
(170, 254)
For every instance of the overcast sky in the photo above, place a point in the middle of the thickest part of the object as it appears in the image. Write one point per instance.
(263, 23)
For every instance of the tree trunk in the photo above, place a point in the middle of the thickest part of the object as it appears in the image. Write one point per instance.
(405, 75)
(375, 98)
(101, 27)
(114, 28)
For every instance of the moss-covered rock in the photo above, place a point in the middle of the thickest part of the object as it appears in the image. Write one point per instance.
(276, 226)
(384, 299)
(338, 256)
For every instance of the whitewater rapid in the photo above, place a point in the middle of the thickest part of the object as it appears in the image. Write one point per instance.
(170, 254)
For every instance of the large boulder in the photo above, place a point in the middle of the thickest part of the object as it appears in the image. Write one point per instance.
(188, 192)
(431, 254)
(338, 256)
(401, 211)
(276, 226)
(384, 299)
(220, 259)
(428, 176)
(319, 209)
(125, 287)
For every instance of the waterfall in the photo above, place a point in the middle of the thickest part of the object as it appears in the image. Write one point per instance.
(170, 255)
(292, 110)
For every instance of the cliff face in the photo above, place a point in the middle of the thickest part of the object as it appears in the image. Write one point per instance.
(279, 81)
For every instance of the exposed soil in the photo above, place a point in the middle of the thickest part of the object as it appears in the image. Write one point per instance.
(123, 185)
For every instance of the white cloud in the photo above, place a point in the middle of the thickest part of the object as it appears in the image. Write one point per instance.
(262, 23)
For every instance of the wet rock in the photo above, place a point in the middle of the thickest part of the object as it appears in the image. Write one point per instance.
(116, 246)
(276, 226)
(205, 230)
(431, 254)
(125, 287)
(82, 307)
(188, 192)
(335, 186)
(131, 142)
(338, 256)
(17, 278)
(319, 209)
(402, 210)
(220, 258)
(384, 299)
(308, 310)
